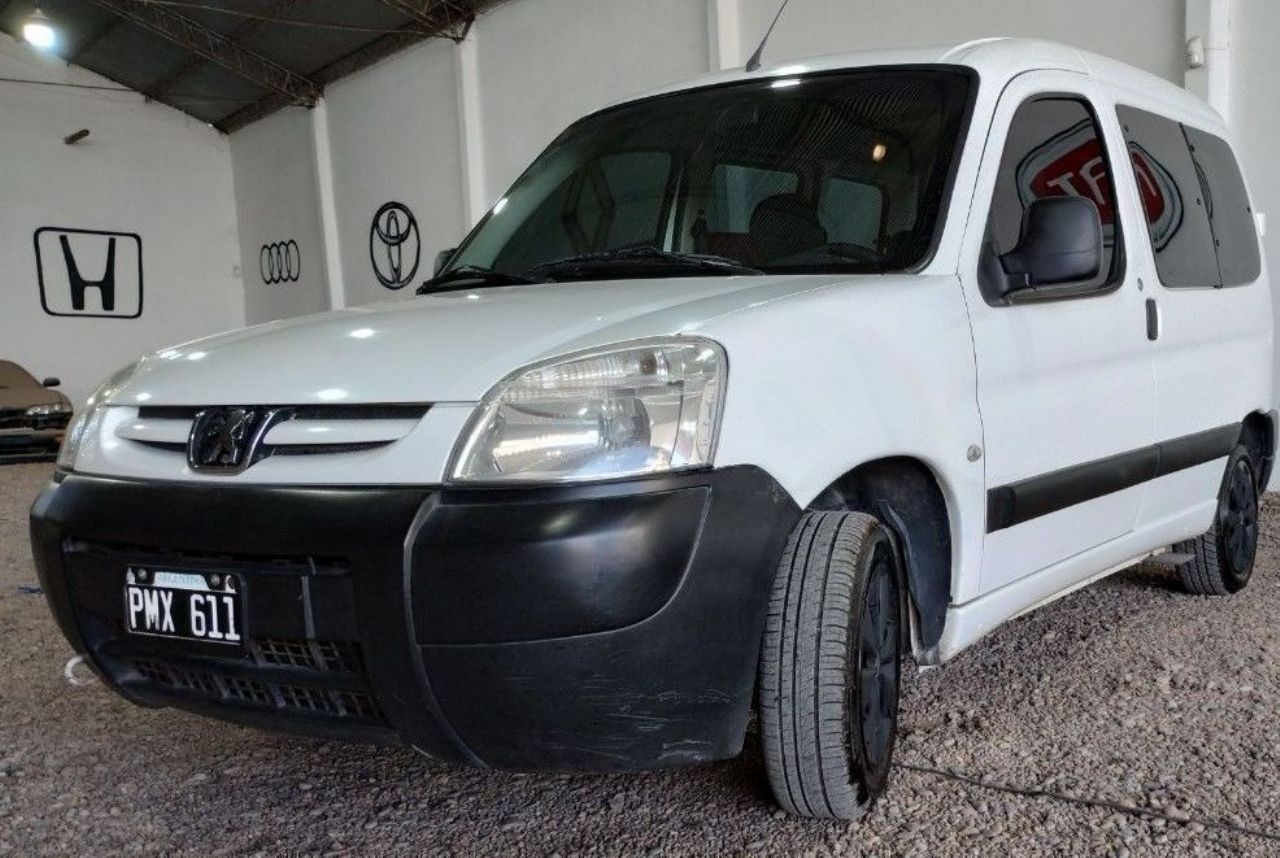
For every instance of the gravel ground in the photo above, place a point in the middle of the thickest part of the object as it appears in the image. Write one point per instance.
(1125, 697)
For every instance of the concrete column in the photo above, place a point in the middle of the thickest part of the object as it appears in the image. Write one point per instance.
(471, 126)
(328, 206)
(1209, 21)
(724, 32)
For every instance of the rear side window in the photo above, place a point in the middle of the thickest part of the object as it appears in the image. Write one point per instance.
(739, 189)
(1188, 199)
(1234, 229)
(1054, 149)
(852, 212)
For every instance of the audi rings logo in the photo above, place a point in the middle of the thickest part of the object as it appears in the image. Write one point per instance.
(394, 249)
(280, 262)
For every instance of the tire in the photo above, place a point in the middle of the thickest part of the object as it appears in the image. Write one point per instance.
(830, 666)
(1222, 559)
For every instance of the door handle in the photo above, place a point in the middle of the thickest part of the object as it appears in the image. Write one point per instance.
(1153, 320)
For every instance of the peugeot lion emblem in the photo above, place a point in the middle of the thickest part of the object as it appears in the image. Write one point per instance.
(228, 440)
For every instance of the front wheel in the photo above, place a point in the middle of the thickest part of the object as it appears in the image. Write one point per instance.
(830, 666)
(1222, 559)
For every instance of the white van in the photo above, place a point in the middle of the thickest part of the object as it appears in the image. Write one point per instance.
(744, 391)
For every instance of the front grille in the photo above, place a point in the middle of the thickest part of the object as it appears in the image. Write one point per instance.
(300, 665)
(295, 677)
(341, 429)
(323, 656)
(132, 555)
(14, 420)
(389, 411)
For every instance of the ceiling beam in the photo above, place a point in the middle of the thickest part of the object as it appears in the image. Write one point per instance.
(423, 23)
(94, 38)
(362, 57)
(218, 49)
(450, 18)
(236, 36)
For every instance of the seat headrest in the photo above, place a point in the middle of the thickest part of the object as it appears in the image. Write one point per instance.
(785, 225)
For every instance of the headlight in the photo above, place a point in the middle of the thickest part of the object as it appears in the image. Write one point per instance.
(631, 409)
(49, 409)
(87, 419)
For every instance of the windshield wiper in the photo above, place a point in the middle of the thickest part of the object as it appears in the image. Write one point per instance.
(638, 261)
(472, 275)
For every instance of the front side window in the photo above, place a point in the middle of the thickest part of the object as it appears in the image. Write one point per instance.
(841, 172)
(1054, 149)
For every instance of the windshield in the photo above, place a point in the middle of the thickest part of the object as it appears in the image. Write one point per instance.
(836, 172)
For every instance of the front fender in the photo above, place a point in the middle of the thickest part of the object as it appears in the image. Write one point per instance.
(823, 381)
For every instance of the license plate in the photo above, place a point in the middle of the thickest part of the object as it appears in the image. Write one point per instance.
(194, 606)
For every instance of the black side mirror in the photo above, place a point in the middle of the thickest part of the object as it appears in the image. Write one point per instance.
(442, 259)
(1061, 242)
(51, 382)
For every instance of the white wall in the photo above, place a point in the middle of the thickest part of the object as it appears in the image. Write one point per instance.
(545, 63)
(1255, 115)
(145, 169)
(277, 202)
(1254, 110)
(393, 133)
(1144, 33)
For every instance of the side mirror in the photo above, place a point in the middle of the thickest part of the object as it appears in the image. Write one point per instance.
(51, 382)
(1061, 242)
(442, 259)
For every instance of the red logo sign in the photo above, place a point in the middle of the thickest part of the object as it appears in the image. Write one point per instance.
(1073, 164)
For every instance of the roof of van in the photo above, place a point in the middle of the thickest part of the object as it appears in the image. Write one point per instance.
(996, 60)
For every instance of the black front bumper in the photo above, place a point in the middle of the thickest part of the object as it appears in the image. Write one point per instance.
(605, 627)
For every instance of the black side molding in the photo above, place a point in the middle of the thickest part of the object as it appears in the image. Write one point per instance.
(1031, 498)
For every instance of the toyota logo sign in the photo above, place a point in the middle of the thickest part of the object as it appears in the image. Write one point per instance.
(394, 248)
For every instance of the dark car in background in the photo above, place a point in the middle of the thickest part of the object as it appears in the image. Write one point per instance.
(33, 416)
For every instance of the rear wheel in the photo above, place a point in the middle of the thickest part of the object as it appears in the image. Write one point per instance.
(830, 666)
(1222, 559)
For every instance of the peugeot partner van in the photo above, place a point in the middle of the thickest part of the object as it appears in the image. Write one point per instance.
(747, 390)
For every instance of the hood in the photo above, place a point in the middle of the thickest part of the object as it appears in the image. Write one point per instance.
(24, 397)
(451, 347)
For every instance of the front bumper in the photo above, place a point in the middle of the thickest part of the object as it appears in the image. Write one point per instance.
(38, 440)
(603, 627)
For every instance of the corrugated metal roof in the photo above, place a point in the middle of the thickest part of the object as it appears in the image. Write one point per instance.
(231, 62)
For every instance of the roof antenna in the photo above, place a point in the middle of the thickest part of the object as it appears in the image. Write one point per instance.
(754, 63)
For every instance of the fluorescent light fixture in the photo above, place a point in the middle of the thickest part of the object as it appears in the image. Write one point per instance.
(786, 83)
(38, 31)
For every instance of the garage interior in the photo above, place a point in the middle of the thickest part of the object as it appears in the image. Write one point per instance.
(225, 163)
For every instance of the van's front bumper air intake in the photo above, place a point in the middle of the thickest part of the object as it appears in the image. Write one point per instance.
(603, 627)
